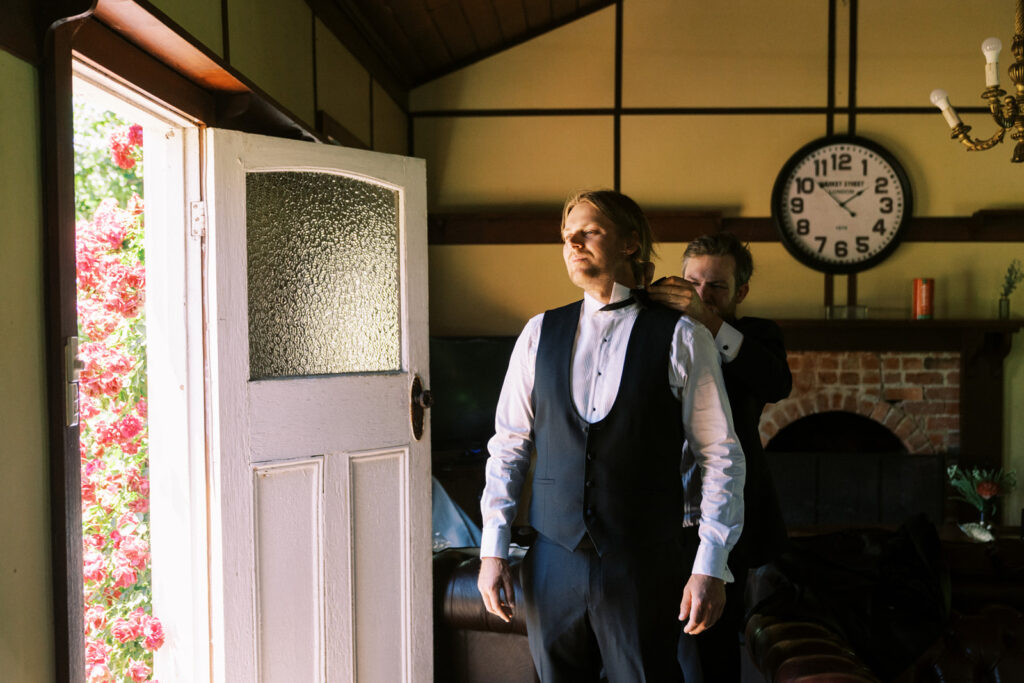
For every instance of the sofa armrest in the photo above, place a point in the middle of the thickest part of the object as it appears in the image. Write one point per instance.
(804, 651)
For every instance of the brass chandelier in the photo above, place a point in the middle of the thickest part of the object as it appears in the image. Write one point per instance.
(1010, 114)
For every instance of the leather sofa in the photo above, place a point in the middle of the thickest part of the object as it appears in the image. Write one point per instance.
(471, 645)
(854, 606)
(912, 608)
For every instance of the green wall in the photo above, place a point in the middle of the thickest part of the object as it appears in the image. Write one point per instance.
(26, 622)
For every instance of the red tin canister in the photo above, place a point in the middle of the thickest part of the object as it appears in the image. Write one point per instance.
(924, 297)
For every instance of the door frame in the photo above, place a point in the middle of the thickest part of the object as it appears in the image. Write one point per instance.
(68, 29)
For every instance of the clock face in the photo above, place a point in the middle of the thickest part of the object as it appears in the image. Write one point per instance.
(840, 203)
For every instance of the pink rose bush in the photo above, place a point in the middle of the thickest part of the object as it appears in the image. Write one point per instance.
(121, 633)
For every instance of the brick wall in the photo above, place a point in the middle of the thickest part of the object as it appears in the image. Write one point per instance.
(915, 395)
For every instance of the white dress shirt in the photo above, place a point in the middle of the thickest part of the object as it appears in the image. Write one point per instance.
(712, 460)
(728, 340)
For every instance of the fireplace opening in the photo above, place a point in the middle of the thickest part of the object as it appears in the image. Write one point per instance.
(835, 431)
(842, 468)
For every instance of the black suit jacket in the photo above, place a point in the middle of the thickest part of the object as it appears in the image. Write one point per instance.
(758, 375)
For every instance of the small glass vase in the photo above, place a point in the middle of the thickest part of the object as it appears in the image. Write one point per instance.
(987, 514)
(1004, 308)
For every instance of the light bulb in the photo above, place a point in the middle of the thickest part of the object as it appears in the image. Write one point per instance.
(940, 98)
(991, 48)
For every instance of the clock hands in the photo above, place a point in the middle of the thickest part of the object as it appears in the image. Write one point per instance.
(851, 198)
(842, 205)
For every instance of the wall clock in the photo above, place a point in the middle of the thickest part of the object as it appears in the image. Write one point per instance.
(840, 204)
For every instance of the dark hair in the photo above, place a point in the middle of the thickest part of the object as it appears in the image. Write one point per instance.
(723, 244)
(627, 217)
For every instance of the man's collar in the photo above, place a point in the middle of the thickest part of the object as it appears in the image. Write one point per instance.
(619, 292)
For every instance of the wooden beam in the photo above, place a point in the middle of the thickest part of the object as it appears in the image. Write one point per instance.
(108, 52)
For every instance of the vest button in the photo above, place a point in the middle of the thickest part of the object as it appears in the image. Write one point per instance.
(589, 483)
(590, 512)
(590, 456)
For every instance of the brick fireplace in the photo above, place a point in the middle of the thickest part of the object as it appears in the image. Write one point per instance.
(916, 396)
(933, 389)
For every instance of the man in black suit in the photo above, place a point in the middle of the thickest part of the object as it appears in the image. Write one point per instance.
(716, 279)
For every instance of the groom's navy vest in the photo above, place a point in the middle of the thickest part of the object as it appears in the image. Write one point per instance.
(617, 479)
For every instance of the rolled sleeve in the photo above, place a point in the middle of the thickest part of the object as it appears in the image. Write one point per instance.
(715, 494)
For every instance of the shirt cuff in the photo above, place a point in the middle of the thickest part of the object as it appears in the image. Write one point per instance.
(494, 542)
(711, 561)
(728, 341)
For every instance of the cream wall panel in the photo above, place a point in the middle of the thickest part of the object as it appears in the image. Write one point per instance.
(712, 54)
(26, 627)
(947, 179)
(513, 161)
(908, 48)
(271, 43)
(715, 162)
(342, 84)
(1013, 426)
(390, 124)
(495, 289)
(201, 18)
(572, 66)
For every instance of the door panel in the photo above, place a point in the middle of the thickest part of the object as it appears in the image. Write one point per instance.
(317, 325)
(288, 579)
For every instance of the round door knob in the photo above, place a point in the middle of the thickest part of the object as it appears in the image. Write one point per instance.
(426, 398)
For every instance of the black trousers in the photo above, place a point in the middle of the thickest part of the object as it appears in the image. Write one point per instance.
(620, 610)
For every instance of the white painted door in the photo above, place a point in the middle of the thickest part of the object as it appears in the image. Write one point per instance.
(320, 492)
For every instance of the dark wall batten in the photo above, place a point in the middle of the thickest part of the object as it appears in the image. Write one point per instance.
(535, 227)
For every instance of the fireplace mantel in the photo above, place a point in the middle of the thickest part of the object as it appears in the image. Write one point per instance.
(982, 345)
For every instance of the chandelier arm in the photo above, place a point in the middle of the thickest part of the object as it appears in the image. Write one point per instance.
(973, 145)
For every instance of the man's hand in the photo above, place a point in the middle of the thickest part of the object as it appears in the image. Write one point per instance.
(678, 294)
(495, 578)
(703, 603)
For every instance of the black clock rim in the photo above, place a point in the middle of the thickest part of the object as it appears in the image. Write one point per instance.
(842, 268)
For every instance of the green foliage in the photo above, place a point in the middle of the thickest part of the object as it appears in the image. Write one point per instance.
(96, 176)
(1014, 275)
(970, 484)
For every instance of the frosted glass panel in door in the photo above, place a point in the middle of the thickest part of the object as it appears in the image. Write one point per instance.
(323, 274)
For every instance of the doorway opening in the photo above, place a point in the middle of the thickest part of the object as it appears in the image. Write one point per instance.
(140, 400)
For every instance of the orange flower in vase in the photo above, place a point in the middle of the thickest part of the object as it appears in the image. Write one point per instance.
(981, 488)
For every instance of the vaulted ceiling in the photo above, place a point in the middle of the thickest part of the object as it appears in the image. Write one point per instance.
(419, 40)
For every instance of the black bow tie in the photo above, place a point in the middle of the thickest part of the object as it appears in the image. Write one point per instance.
(618, 304)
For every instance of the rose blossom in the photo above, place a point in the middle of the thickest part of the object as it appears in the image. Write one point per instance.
(124, 575)
(96, 652)
(123, 631)
(93, 568)
(154, 632)
(99, 673)
(136, 551)
(95, 618)
(987, 489)
(138, 670)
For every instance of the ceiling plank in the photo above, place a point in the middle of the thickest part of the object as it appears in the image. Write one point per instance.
(511, 18)
(414, 18)
(484, 21)
(451, 24)
(563, 8)
(538, 13)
